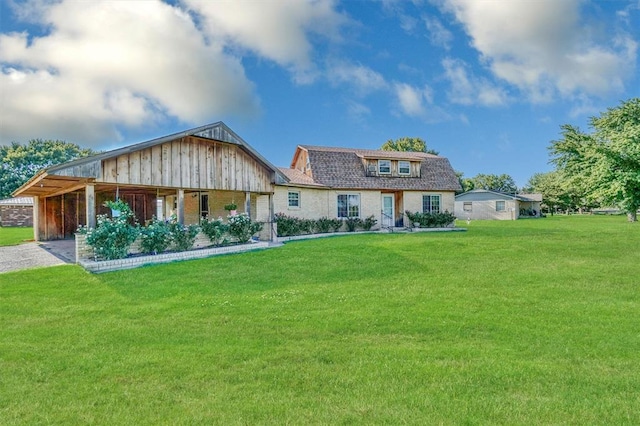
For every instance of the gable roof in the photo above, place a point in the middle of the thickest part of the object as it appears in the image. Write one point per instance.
(70, 173)
(342, 168)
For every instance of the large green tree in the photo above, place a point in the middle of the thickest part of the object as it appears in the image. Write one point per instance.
(500, 183)
(407, 144)
(18, 163)
(605, 163)
(557, 191)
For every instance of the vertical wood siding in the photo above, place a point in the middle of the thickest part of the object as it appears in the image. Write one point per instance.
(189, 163)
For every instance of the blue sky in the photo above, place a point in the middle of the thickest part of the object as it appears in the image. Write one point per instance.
(486, 83)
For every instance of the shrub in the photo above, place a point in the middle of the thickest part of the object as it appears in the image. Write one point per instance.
(215, 230)
(325, 225)
(431, 220)
(353, 223)
(182, 236)
(155, 237)
(112, 237)
(287, 226)
(241, 227)
(369, 223)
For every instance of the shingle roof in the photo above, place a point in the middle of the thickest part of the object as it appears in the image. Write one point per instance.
(342, 168)
(17, 201)
(296, 177)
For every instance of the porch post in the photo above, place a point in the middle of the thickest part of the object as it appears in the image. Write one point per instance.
(90, 204)
(180, 212)
(247, 203)
(36, 218)
(273, 227)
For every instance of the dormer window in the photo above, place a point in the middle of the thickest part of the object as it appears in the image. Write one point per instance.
(404, 168)
(384, 167)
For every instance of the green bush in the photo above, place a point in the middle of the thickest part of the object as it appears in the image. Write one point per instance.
(241, 227)
(112, 236)
(155, 237)
(369, 223)
(215, 230)
(182, 236)
(431, 220)
(287, 225)
(353, 223)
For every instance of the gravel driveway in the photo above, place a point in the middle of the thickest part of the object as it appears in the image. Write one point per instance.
(25, 256)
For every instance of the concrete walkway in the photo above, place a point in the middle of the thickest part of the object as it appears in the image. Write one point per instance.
(36, 255)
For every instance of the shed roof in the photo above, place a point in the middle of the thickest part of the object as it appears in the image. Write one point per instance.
(342, 168)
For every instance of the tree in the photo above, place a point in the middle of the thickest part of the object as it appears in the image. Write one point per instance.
(465, 183)
(499, 183)
(18, 163)
(407, 144)
(605, 164)
(556, 191)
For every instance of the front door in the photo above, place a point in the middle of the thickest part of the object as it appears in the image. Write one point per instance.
(388, 219)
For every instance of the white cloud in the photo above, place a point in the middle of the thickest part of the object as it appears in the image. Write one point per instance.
(101, 67)
(276, 30)
(413, 101)
(543, 48)
(438, 34)
(363, 79)
(85, 75)
(469, 90)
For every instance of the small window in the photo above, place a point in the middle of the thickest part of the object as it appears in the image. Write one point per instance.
(404, 167)
(294, 199)
(204, 205)
(430, 204)
(348, 205)
(467, 206)
(384, 167)
(500, 207)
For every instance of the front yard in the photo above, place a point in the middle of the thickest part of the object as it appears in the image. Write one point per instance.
(510, 322)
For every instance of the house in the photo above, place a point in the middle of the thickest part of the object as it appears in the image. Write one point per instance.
(344, 182)
(190, 174)
(16, 212)
(485, 204)
(195, 173)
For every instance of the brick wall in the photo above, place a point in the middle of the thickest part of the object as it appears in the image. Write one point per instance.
(16, 216)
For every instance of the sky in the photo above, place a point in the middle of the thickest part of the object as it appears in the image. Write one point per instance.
(486, 83)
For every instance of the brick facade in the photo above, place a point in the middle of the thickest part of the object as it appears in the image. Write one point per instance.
(11, 215)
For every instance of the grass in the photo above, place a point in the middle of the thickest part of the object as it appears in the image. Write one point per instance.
(527, 322)
(11, 236)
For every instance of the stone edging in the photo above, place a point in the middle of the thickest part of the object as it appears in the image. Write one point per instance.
(137, 261)
(334, 234)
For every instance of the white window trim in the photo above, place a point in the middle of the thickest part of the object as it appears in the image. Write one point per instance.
(380, 167)
(348, 194)
(299, 200)
(400, 168)
(504, 206)
(464, 205)
(439, 202)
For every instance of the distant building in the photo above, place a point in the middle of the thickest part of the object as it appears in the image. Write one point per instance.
(483, 204)
(16, 211)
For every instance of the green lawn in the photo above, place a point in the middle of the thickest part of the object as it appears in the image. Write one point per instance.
(527, 322)
(10, 236)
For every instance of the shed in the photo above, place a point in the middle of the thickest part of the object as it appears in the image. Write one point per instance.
(485, 204)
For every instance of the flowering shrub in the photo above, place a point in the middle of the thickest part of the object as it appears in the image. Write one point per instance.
(215, 230)
(241, 227)
(431, 220)
(182, 236)
(155, 237)
(112, 236)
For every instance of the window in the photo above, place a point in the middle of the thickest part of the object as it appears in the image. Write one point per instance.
(500, 207)
(404, 167)
(430, 204)
(384, 167)
(348, 205)
(467, 206)
(294, 199)
(204, 205)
